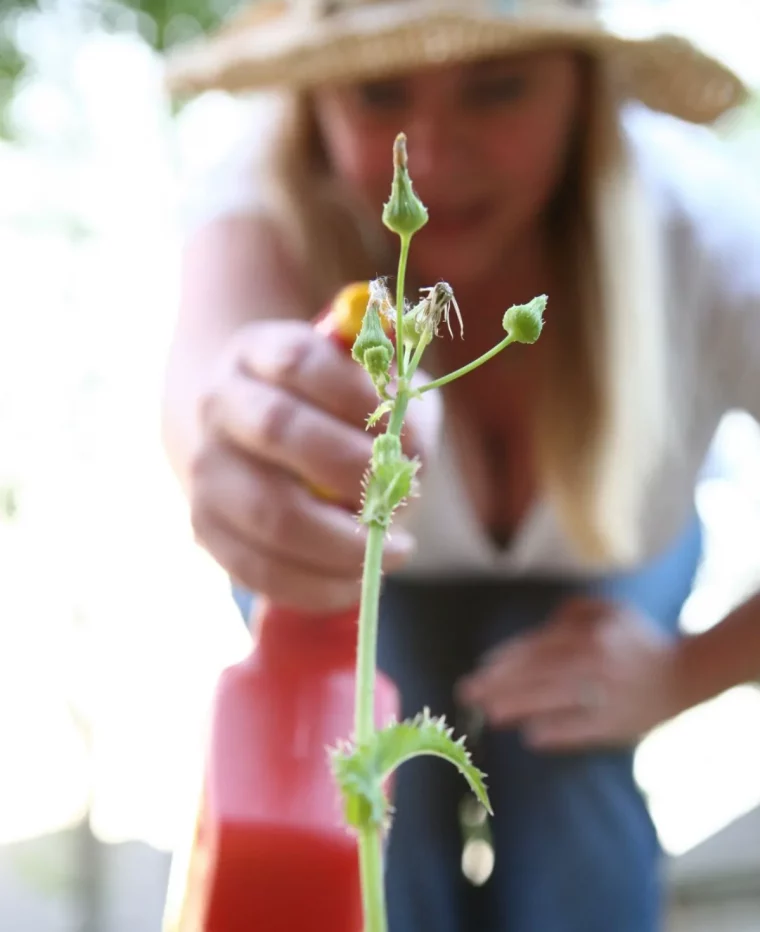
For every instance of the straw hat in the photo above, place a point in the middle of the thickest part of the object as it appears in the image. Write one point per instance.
(303, 43)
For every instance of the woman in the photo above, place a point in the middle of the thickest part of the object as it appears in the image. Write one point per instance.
(540, 577)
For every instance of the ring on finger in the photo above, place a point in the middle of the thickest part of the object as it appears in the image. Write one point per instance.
(591, 695)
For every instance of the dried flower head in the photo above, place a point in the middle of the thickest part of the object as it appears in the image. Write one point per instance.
(425, 318)
(380, 299)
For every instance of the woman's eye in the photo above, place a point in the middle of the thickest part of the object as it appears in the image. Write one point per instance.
(496, 90)
(383, 95)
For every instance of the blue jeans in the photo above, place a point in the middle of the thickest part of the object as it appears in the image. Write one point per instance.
(575, 848)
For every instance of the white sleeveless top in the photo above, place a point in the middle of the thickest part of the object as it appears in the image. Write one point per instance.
(709, 219)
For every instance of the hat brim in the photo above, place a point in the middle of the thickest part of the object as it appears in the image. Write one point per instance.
(666, 73)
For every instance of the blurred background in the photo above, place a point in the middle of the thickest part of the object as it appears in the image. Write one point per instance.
(113, 626)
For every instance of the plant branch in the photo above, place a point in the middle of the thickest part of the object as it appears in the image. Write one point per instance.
(464, 370)
(403, 255)
(422, 345)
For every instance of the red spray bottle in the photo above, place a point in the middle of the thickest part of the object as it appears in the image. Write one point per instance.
(271, 851)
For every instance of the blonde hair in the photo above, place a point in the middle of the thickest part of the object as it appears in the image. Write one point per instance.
(602, 423)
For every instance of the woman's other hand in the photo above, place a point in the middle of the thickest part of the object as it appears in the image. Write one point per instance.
(596, 674)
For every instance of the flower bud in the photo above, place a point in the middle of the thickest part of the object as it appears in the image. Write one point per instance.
(372, 349)
(404, 213)
(377, 362)
(524, 322)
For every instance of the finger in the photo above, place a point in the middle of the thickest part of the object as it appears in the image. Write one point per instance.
(283, 581)
(561, 631)
(566, 731)
(528, 654)
(547, 697)
(274, 512)
(269, 423)
(579, 610)
(534, 670)
(291, 355)
(566, 631)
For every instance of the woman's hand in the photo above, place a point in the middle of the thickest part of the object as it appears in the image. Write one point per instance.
(287, 410)
(596, 674)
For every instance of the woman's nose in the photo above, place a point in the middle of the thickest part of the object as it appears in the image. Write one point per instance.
(438, 150)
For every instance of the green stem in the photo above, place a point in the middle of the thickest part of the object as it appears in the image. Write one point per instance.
(373, 886)
(405, 241)
(366, 649)
(369, 606)
(422, 345)
(458, 373)
(370, 836)
(396, 420)
(408, 357)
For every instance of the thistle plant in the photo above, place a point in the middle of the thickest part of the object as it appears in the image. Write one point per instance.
(362, 766)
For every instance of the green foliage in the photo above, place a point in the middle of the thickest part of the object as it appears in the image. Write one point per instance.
(161, 23)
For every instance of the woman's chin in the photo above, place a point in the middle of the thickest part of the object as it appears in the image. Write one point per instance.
(460, 263)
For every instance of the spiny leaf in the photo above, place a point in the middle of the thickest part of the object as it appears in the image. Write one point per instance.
(425, 734)
(389, 481)
(385, 489)
(361, 786)
(360, 771)
(385, 408)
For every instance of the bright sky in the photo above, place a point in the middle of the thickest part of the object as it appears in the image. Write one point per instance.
(103, 532)
(727, 29)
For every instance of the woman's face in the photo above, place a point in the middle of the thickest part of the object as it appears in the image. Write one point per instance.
(487, 143)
